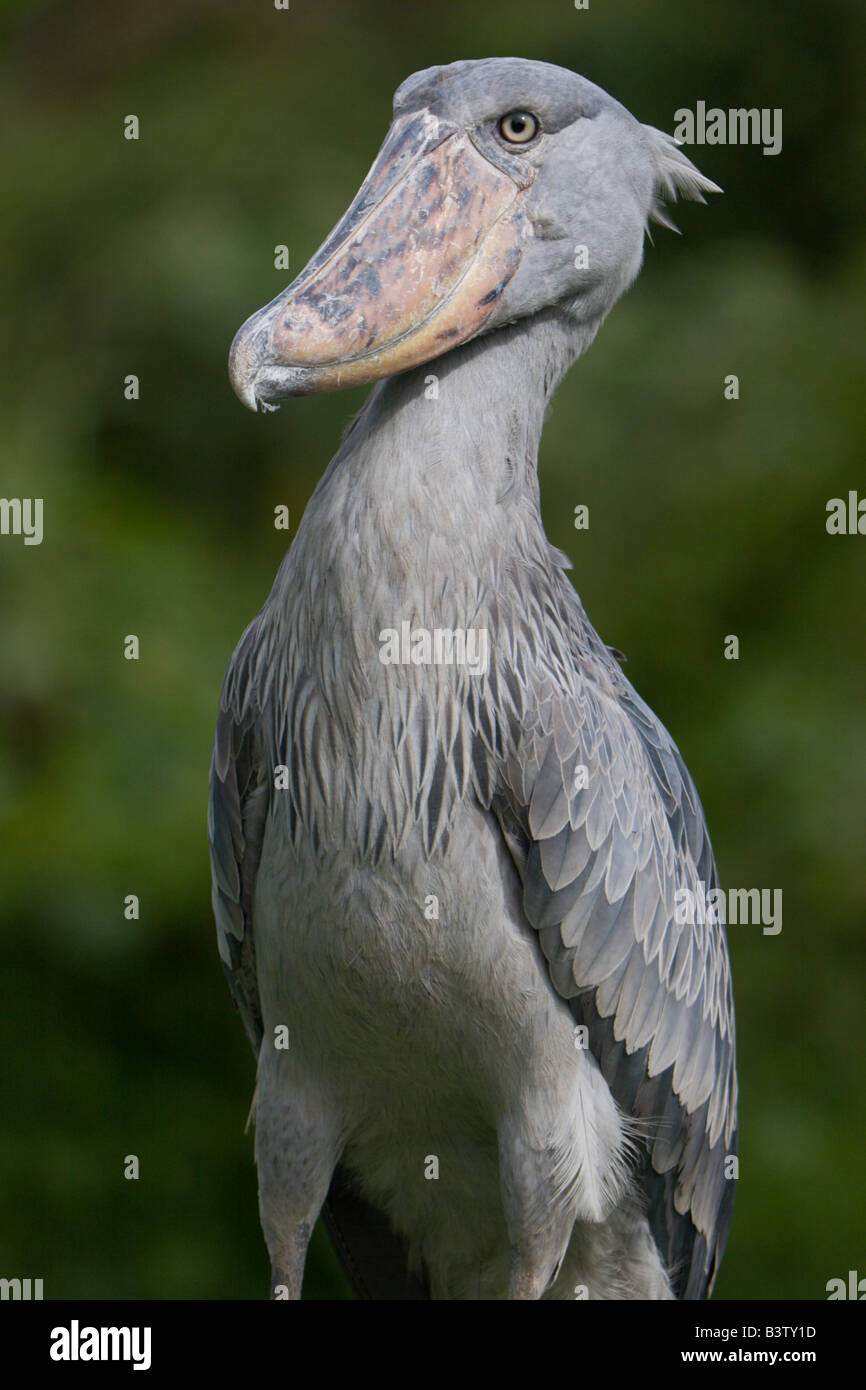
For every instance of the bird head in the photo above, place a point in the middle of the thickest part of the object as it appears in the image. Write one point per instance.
(503, 188)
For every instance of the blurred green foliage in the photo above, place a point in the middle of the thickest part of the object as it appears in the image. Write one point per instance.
(707, 518)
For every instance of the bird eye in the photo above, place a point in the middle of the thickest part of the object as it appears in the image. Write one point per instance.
(518, 127)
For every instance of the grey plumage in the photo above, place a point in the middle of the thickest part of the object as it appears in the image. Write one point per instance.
(410, 1037)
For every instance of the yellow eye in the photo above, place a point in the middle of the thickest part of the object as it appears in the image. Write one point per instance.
(518, 127)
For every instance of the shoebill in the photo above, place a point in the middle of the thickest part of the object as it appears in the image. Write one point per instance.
(448, 838)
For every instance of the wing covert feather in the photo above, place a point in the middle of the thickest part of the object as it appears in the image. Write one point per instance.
(602, 857)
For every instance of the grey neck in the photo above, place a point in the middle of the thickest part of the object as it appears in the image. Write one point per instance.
(437, 473)
(427, 519)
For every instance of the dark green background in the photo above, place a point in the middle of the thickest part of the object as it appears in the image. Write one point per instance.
(707, 518)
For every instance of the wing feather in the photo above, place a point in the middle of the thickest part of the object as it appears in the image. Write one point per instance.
(601, 865)
(240, 788)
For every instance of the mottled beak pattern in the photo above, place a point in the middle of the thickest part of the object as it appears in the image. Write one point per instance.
(414, 268)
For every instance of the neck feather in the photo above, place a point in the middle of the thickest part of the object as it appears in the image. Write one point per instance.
(435, 484)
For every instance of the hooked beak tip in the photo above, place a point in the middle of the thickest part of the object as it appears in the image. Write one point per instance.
(247, 394)
(243, 369)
